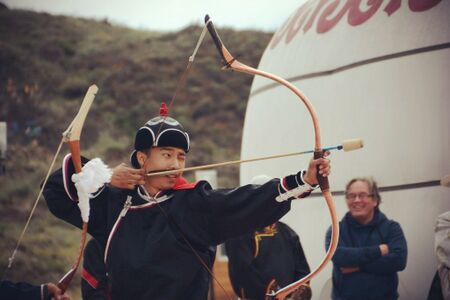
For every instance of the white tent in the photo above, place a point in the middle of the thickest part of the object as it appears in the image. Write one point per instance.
(380, 72)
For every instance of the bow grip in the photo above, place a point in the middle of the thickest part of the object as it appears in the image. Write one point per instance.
(323, 181)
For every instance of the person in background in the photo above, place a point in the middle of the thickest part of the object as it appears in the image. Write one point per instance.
(440, 286)
(371, 248)
(265, 259)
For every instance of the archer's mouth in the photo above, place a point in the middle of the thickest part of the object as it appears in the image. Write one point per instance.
(173, 176)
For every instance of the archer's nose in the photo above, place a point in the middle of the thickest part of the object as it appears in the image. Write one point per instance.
(175, 164)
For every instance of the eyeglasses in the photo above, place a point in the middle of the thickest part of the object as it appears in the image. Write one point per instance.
(362, 196)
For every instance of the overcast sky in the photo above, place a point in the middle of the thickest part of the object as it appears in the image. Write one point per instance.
(266, 15)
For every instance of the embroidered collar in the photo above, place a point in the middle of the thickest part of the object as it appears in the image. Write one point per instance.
(159, 197)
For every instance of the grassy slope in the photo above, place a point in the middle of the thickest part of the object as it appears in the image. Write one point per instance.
(46, 65)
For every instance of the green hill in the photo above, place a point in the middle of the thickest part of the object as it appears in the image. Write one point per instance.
(46, 65)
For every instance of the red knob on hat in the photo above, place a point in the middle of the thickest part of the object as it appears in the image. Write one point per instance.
(163, 110)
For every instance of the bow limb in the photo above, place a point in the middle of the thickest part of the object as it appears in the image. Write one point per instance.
(72, 136)
(232, 63)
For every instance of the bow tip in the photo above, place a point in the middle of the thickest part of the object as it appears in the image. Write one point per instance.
(93, 88)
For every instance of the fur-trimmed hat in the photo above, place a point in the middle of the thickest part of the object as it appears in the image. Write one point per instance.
(161, 131)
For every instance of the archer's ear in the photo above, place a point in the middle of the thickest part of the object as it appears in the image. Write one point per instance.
(141, 158)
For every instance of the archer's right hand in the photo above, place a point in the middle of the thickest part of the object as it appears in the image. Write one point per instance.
(125, 177)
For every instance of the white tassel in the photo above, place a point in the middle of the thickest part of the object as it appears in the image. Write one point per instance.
(92, 177)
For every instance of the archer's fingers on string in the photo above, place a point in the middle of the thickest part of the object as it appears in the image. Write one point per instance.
(140, 181)
(137, 171)
(141, 178)
(135, 177)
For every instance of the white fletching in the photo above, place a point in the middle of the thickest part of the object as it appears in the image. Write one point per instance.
(93, 176)
(350, 145)
(445, 181)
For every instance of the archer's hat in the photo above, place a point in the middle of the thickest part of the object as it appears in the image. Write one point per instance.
(161, 131)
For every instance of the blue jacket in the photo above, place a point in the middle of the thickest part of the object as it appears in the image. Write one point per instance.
(359, 247)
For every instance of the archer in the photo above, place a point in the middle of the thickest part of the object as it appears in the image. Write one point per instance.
(159, 232)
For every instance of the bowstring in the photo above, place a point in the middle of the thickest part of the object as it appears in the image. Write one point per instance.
(22, 234)
(185, 74)
(202, 262)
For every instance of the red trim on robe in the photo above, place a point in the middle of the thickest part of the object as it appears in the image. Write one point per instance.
(89, 278)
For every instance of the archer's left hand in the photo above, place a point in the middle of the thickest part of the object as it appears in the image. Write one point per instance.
(324, 169)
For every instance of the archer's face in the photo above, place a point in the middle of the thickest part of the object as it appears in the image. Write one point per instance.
(162, 159)
(360, 202)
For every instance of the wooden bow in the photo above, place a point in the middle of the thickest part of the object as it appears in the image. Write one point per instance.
(72, 137)
(231, 63)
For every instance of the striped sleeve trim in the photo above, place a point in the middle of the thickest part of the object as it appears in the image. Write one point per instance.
(293, 186)
(89, 278)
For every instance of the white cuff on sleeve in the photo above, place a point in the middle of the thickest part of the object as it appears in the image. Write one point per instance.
(294, 193)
